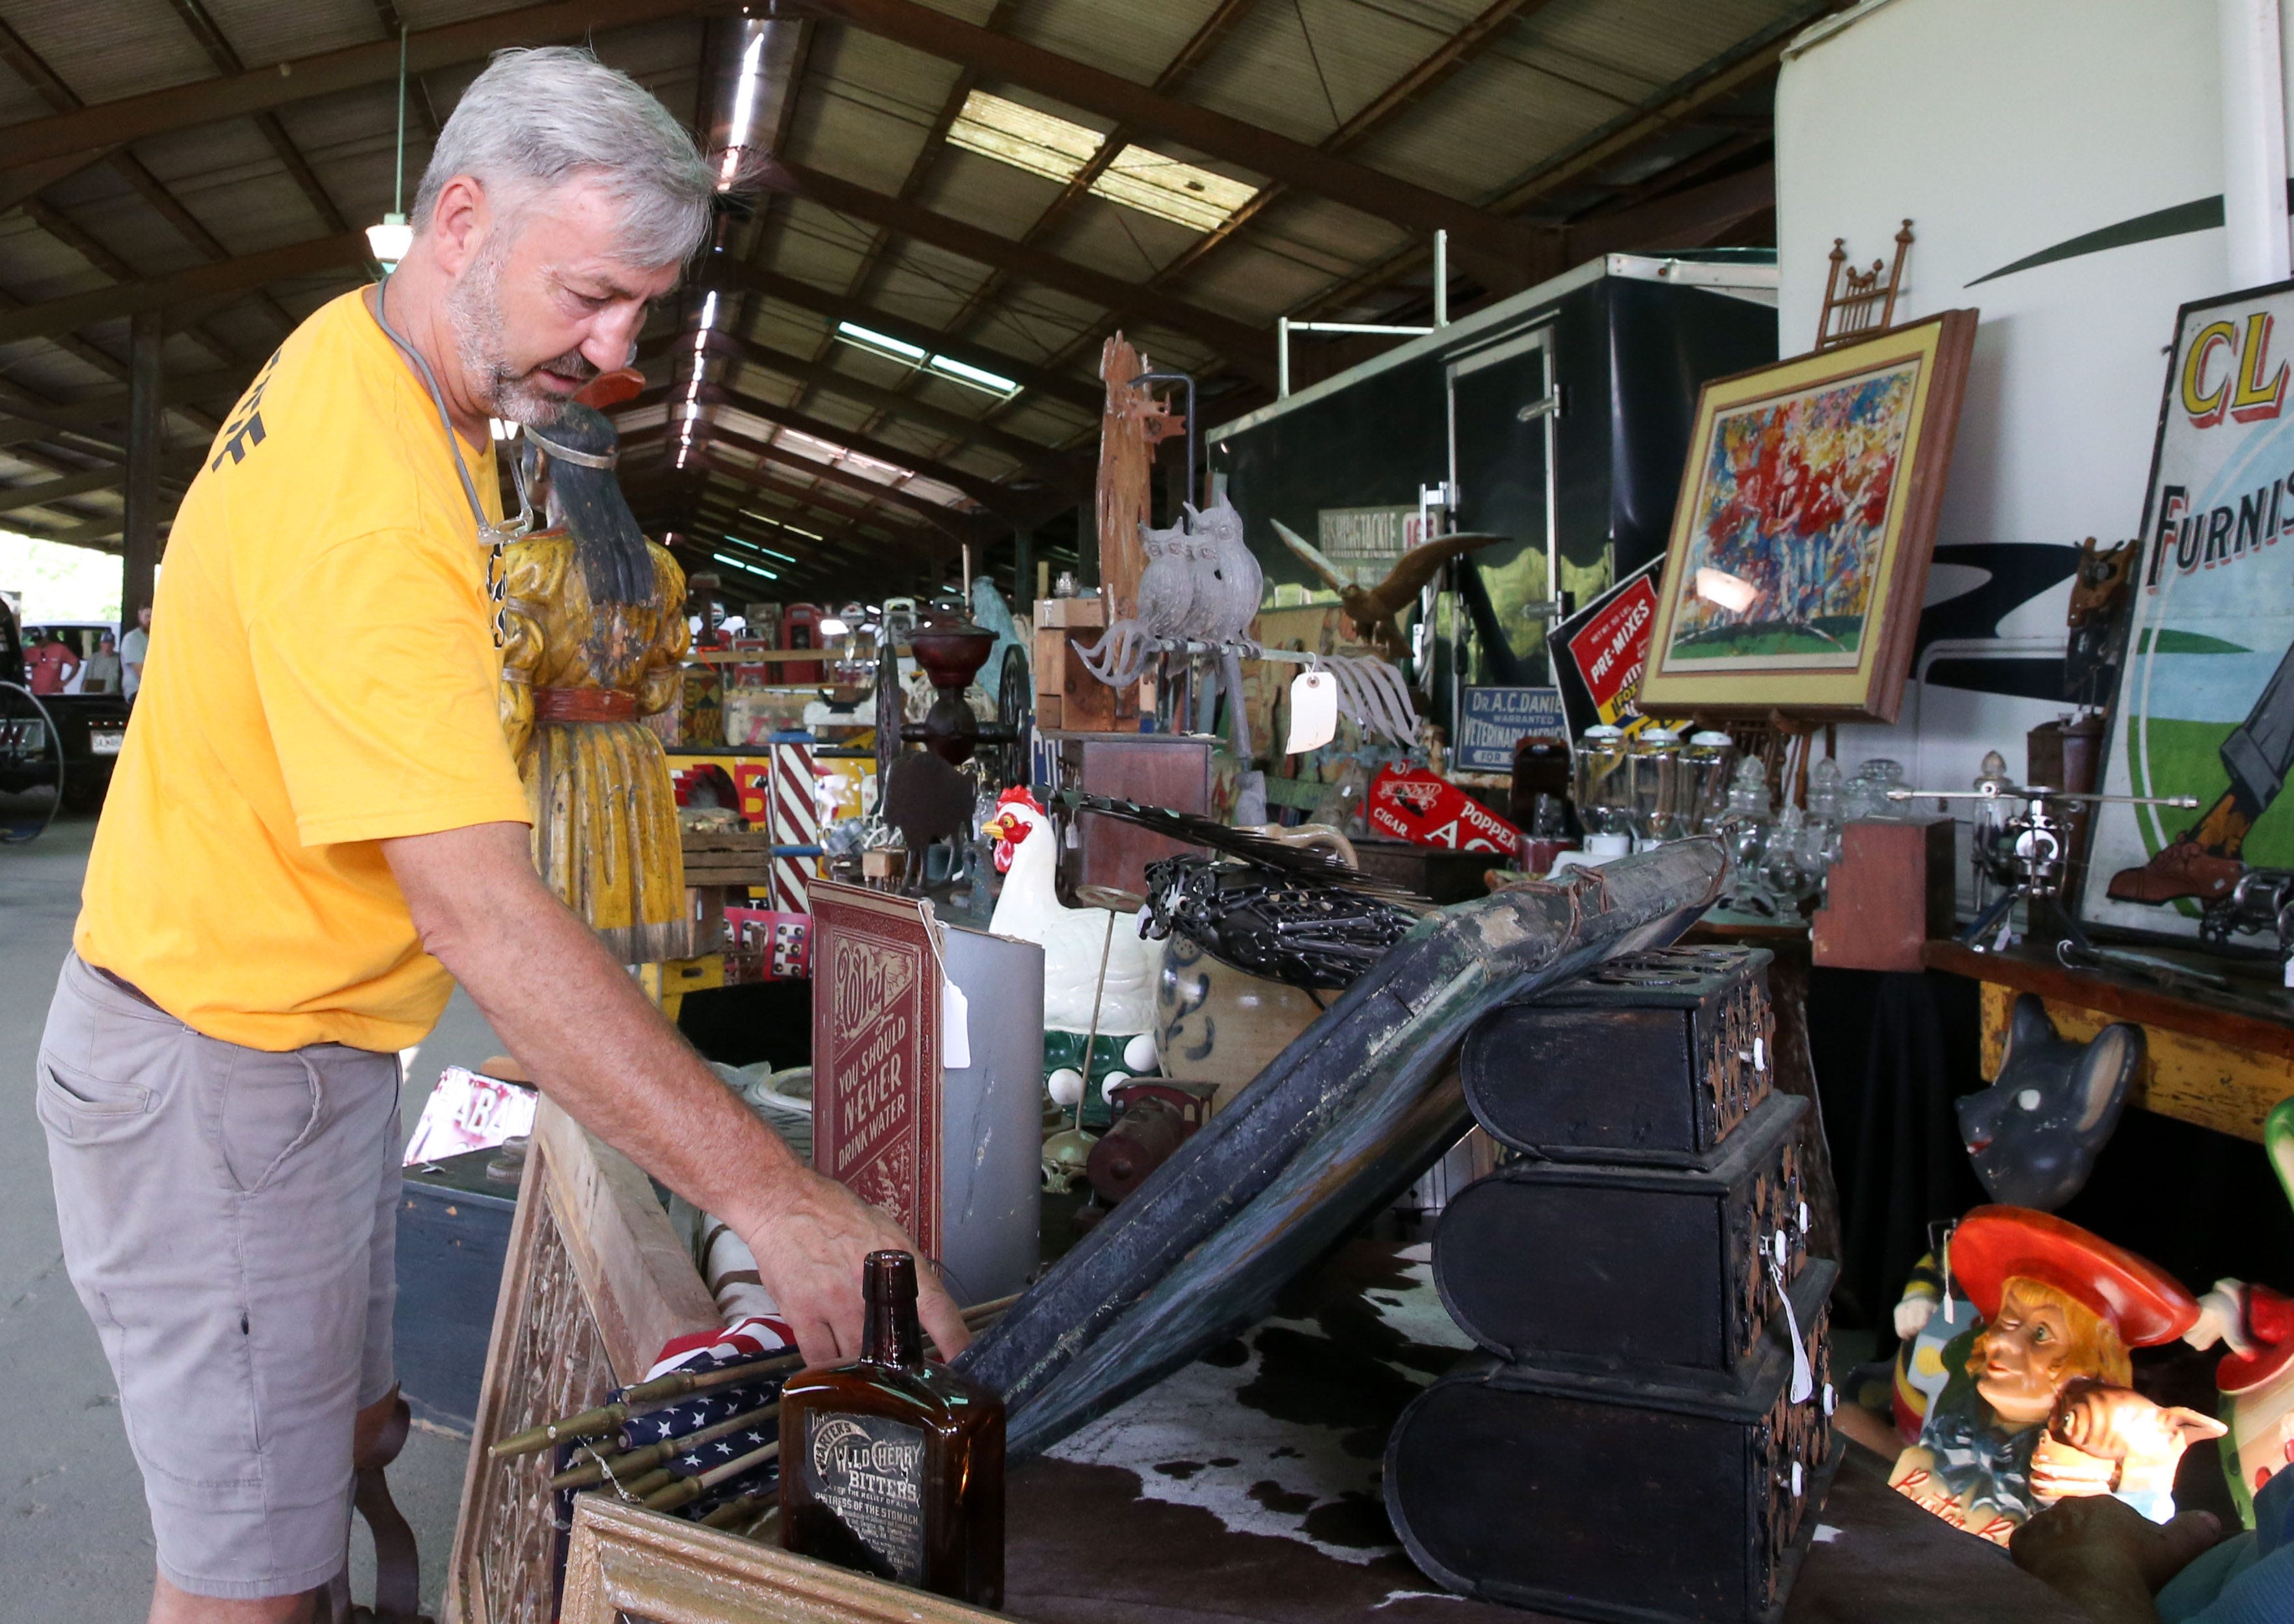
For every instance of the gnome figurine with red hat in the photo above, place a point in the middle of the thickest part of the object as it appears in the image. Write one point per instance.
(2256, 1376)
(2038, 1406)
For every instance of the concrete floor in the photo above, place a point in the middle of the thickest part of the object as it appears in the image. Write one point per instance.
(75, 1543)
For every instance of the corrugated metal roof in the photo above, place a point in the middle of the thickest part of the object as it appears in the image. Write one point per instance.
(865, 108)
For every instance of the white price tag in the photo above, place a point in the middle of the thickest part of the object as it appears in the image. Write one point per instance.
(1313, 711)
(955, 1028)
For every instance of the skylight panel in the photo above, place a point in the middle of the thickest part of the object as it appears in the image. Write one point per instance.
(1170, 190)
(1024, 137)
(1060, 151)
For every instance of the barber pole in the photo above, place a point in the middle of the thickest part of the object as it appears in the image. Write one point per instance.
(795, 822)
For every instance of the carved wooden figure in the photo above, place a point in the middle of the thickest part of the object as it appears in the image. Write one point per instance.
(595, 625)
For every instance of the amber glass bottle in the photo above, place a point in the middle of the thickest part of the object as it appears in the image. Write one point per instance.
(892, 1465)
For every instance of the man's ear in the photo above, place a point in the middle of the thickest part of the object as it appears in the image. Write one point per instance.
(459, 223)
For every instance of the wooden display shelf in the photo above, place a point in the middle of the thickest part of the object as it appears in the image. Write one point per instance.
(2218, 1068)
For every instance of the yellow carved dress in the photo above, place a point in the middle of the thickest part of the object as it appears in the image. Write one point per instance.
(576, 679)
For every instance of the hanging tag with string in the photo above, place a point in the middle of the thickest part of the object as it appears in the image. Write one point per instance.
(1314, 711)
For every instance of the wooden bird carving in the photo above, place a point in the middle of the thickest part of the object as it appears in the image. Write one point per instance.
(1373, 609)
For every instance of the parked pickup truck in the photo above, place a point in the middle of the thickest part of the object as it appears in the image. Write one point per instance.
(90, 728)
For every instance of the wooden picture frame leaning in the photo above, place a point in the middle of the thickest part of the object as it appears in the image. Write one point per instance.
(1799, 546)
(625, 1563)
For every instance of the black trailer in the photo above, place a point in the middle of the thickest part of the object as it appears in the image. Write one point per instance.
(1562, 412)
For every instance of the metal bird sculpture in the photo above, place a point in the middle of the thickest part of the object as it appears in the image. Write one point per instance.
(1373, 609)
(1295, 914)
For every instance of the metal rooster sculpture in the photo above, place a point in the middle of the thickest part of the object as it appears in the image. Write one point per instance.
(1373, 609)
(1292, 913)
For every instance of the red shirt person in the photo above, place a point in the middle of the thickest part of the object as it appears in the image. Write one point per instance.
(53, 666)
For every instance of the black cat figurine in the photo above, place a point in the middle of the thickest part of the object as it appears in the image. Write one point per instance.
(2034, 1135)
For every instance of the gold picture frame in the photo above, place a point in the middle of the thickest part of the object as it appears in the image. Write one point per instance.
(625, 1563)
(1799, 555)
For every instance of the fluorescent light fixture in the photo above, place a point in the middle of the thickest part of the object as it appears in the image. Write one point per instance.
(834, 628)
(963, 373)
(744, 102)
(748, 513)
(742, 564)
(867, 339)
(389, 241)
(733, 540)
(683, 452)
(709, 311)
(1733, 593)
(1053, 147)
(1171, 190)
(1059, 150)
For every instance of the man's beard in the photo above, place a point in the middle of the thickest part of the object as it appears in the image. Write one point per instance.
(473, 306)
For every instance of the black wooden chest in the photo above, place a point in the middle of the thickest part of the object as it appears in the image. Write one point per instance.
(1600, 1266)
(1620, 1496)
(1651, 1058)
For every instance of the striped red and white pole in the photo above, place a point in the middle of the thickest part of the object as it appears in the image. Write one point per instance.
(795, 822)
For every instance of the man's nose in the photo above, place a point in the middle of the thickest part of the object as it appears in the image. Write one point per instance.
(612, 339)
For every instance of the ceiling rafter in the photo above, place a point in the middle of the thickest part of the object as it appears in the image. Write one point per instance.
(1221, 333)
(49, 85)
(726, 271)
(103, 125)
(74, 311)
(1048, 460)
(986, 492)
(1420, 79)
(1476, 233)
(220, 52)
(956, 524)
(828, 501)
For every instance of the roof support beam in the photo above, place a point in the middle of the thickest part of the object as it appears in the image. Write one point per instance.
(957, 526)
(726, 273)
(1049, 460)
(159, 112)
(111, 407)
(1474, 233)
(1247, 348)
(827, 503)
(79, 309)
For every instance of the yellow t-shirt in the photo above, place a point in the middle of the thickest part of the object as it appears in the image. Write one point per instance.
(322, 676)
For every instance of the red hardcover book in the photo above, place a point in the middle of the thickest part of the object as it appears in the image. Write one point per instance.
(875, 1049)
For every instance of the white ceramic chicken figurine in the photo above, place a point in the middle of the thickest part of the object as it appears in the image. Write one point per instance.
(1027, 854)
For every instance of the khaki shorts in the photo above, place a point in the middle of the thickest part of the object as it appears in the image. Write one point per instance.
(228, 1220)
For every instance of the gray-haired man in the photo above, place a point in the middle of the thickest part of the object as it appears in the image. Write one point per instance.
(306, 837)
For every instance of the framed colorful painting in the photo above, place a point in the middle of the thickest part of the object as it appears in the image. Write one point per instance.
(1799, 545)
(2205, 707)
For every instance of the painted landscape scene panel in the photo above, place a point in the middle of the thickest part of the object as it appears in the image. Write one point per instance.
(1791, 526)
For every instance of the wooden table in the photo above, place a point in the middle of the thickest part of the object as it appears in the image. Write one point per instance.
(2222, 1068)
(1243, 1489)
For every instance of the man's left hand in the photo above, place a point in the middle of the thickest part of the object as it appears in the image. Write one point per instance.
(2108, 1556)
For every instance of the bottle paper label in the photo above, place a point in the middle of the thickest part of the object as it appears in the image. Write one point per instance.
(870, 1473)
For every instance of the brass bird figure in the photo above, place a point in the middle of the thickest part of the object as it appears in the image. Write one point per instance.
(1373, 609)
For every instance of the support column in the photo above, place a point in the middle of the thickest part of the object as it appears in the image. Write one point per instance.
(1023, 570)
(139, 549)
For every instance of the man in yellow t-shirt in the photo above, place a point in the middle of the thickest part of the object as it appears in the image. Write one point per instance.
(310, 831)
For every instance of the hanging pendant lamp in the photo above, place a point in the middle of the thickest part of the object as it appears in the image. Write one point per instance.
(390, 241)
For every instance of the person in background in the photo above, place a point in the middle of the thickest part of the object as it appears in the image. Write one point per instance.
(102, 668)
(53, 665)
(133, 649)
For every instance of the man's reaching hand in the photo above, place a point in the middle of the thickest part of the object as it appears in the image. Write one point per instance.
(810, 1249)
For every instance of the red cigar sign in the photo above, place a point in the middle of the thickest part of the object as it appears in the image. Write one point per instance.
(1417, 805)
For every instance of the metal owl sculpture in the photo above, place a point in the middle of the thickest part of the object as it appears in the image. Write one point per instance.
(2034, 1135)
